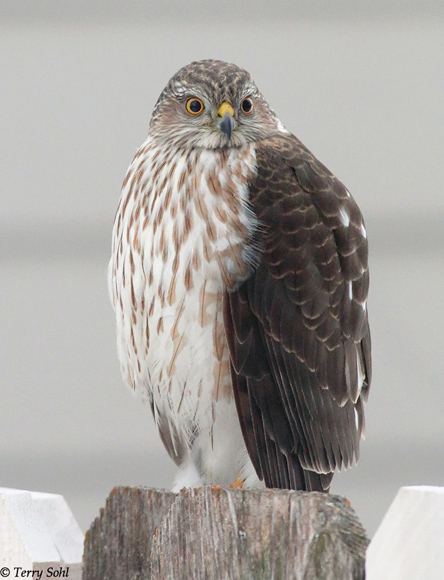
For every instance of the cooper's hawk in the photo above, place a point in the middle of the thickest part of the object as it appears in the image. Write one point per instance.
(239, 280)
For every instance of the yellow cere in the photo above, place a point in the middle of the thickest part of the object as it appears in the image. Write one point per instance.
(224, 109)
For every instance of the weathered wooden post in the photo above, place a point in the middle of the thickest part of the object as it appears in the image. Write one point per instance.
(214, 533)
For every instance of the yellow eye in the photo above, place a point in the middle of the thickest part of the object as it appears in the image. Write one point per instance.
(195, 106)
(247, 106)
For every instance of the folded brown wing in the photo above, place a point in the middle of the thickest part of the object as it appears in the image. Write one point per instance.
(298, 328)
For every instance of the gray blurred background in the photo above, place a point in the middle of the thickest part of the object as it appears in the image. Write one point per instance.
(361, 84)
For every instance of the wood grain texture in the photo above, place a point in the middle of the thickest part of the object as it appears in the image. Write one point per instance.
(214, 533)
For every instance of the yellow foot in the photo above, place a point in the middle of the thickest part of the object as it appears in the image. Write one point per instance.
(238, 483)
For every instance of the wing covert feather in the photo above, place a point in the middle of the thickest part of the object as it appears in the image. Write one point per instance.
(298, 328)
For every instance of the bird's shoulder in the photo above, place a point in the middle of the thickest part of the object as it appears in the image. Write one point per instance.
(284, 162)
(291, 187)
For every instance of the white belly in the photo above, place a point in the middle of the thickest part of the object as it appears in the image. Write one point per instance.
(175, 251)
(188, 378)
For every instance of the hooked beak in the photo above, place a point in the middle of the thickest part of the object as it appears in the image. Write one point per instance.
(226, 122)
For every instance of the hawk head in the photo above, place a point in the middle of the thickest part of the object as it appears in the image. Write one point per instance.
(212, 104)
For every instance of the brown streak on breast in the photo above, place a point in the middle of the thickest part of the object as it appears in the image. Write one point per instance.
(170, 175)
(174, 333)
(119, 223)
(171, 296)
(133, 342)
(147, 336)
(133, 296)
(176, 237)
(145, 203)
(127, 198)
(221, 214)
(195, 180)
(151, 311)
(160, 214)
(162, 185)
(230, 194)
(182, 179)
(137, 212)
(161, 294)
(155, 169)
(222, 159)
(136, 244)
(214, 184)
(141, 151)
(201, 208)
(144, 186)
(167, 198)
(138, 175)
(202, 296)
(211, 230)
(179, 344)
(127, 177)
(188, 225)
(160, 325)
(132, 262)
(207, 251)
(155, 196)
(196, 260)
(175, 266)
(162, 165)
(189, 277)
(183, 202)
(162, 240)
(188, 192)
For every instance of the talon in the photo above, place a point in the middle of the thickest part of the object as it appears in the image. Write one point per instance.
(238, 483)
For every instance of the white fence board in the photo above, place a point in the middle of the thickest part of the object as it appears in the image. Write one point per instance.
(38, 532)
(409, 543)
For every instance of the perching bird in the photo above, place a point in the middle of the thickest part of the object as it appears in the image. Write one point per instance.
(239, 280)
